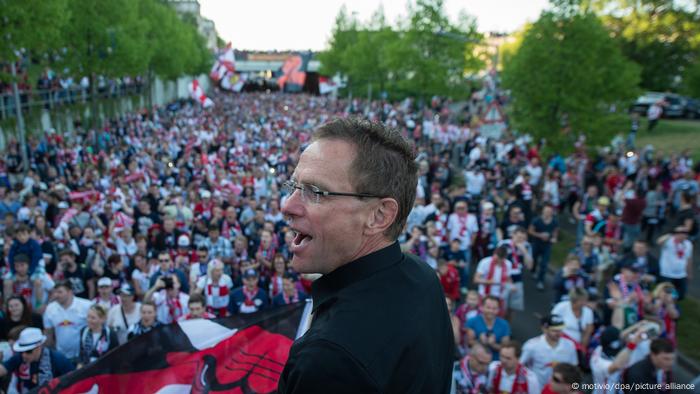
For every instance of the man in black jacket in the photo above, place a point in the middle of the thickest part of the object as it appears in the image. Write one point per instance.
(653, 373)
(380, 322)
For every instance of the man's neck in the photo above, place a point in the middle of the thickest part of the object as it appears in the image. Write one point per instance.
(551, 343)
(68, 303)
(509, 371)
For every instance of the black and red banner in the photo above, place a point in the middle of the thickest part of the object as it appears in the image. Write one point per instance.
(239, 354)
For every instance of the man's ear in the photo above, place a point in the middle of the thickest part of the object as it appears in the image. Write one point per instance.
(382, 216)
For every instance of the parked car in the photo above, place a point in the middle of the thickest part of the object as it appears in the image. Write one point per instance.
(692, 108)
(674, 105)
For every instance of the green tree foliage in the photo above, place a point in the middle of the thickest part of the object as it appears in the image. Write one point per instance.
(567, 72)
(422, 56)
(662, 36)
(32, 25)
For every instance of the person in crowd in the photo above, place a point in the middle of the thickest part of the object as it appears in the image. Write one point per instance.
(147, 322)
(596, 219)
(589, 257)
(449, 278)
(467, 310)
(169, 299)
(493, 276)
(664, 310)
(463, 225)
(584, 205)
(197, 309)
(520, 256)
(625, 297)
(250, 297)
(105, 294)
(166, 267)
(68, 269)
(676, 261)
(566, 379)
(578, 318)
(541, 352)
(634, 205)
(508, 375)
(471, 374)
(348, 219)
(515, 219)
(571, 276)
(35, 291)
(279, 268)
(63, 319)
(487, 327)
(24, 244)
(18, 313)
(289, 294)
(544, 231)
(644, 261)
(125, 314)
(611, 357)
(96, 338)
(487, 236)
(655, 370)
(216, 288)
(34, 364)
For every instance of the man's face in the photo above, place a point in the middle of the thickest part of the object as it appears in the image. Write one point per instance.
(480, 361)
(490, 309)
(105, 291)
(663, 361)
(165, 262)
(508, 359)
(196, 309)
(639, 249)
(251, 282)
(62, 294)
(331, 232)
(32, 355)
(553, 334)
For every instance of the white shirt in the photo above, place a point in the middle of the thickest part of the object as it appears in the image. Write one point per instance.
(475, 181)
(600, 364)
(540, 357)
(497, 290)
(670, 265)
(67, 323)
(506, 383)
(574, 325)
(535, 174)
(217, 298)
(462, 228)
(162, 309)
(115, 320)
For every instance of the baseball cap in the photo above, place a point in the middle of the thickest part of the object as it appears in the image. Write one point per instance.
(205, 194)
(126, 289)
(604, 200)
(610, 341)
(630, 265)
(183, 241)
(250, 273)
(63, 205)
(104, 281)
(553, 321)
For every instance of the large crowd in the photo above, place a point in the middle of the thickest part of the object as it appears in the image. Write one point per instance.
(173, 213)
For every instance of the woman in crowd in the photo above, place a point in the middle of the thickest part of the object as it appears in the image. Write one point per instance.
(664, 310)
(18, 313)
(96, 338)
(147, 322)
(216, 287)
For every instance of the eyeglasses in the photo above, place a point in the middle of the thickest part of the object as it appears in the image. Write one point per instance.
(311, 193)
(557, 379)
(164, 260)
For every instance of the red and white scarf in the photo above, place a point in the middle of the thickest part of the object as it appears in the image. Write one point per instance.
(519, 384)
(492, 272)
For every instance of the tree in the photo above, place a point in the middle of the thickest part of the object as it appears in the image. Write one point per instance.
(567, 70)
(662, 36)
(424, 55)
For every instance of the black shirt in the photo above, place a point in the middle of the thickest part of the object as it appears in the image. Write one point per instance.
(379, 325)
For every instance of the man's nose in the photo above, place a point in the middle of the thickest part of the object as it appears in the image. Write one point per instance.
(293, 206)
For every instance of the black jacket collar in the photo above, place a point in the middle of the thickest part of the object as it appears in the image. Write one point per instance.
(326, 287)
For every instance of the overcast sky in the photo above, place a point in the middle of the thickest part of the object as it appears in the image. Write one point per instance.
(307, 24)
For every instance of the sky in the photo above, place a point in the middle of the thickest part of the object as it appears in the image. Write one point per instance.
(307, 24)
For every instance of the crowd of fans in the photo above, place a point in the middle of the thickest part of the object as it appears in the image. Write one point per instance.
(174, 213)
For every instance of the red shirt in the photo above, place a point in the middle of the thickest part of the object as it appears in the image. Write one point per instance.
(450, 282)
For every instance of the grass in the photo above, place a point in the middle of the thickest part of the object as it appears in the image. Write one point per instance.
(565, 244)
(672, 135)
(689, 327)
